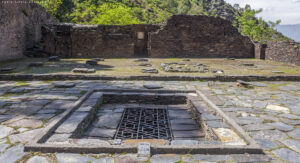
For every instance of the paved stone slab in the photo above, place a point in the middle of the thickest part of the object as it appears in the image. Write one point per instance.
(295, 133)
(188, 134)
(295, 108)
(287, 155)
(24, 110)
(278, 108)
(3, 147)
(236, 109)
(216, 124)
(213, 158)
(27, 123)
(290, 116)
(177, 127)
(104, 160)
(84, 70)
(49, 111)
(64, 85)
(13, 154)
(38, 159)
(228, 136)
(149, 70)
(96, 95)
(41, 116)
(58, 138)
(38, 102)
(183, 121)
(101, 132)
(165, 158)
(90, 142)
(269, 134)
(84, 109)
(259, 104)
(248, 120)
(108, 120)
(5, 117)
(184, 142)
(70, 125)
(25, 136)
(130, 158)
(292, 144)
(258, 127)
(60, 104)
(281, 126)
(266, 144)
(251, 158)
(291, 122)
(153, 86)
(5, 131)
(73, 158)
(179, 115)
(209, 117)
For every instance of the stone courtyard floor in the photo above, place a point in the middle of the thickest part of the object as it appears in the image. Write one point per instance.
(269, 113)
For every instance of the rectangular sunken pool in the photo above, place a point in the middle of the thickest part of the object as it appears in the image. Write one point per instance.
(143, 123)
(116, 121)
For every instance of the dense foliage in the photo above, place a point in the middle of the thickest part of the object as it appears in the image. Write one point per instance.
(132, 11)
(122, 12)
(255, 28)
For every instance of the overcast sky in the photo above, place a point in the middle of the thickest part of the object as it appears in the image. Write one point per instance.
(288, 11)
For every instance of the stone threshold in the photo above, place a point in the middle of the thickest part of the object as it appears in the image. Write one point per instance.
(46, 77)
(38, 144)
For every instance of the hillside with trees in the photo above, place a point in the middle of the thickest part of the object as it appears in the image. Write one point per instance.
(123, 12)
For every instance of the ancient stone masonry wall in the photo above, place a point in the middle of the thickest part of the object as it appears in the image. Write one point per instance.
(70, 40)
(200, 36)
(20, 27)
(287, 51)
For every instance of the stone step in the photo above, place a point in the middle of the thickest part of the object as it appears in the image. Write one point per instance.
(101, 133)
(188, 134)
(184, 127)
(179, 115)
(183, 122)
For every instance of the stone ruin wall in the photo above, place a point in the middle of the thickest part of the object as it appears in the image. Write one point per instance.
(111, 41)
(200, 36)
(287, 51)
(20, 27)
(183, 36)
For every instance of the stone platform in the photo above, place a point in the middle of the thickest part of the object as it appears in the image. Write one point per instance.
(269, 113)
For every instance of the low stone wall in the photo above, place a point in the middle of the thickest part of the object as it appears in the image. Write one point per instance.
(287, 51)
(20, 27)
(73, 40)
(183, 36)
(200, 36)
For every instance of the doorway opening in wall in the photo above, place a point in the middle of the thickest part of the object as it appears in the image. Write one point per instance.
(140, 46)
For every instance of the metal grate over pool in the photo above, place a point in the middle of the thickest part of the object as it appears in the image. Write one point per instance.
(144, 123)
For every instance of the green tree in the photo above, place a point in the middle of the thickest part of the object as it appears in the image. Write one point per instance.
(117, 14)
(50, 5)
(256, 29)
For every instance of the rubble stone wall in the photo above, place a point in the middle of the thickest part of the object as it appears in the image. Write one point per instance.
(200, 36)
(287, 51)
(183, 36)
(71, 40)
(20, 27)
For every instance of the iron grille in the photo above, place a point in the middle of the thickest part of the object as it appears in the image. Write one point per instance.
(142, 123)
